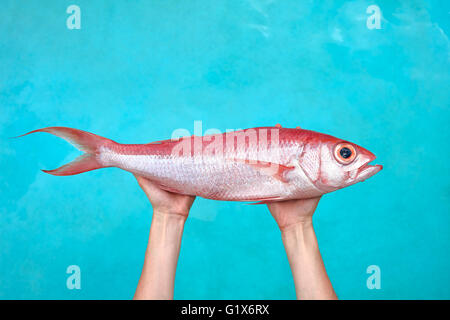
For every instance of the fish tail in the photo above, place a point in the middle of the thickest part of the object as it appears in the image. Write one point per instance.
(87, 142)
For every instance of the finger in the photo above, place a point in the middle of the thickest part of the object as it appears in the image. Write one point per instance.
(146, 184)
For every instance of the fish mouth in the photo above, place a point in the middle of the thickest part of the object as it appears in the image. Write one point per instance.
(366, 171)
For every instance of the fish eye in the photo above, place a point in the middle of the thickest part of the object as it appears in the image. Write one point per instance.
(345, 153)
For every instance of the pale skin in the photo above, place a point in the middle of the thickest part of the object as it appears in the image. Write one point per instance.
(170, 211)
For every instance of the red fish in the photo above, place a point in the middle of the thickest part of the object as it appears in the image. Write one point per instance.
(263, 164)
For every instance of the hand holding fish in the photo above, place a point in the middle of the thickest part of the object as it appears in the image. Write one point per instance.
(170, 211)
(294, 217)
(289, 213)
(165, 202)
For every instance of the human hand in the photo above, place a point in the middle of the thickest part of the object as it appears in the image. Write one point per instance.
(165, 202)
(294, 217)
(170, 211)
(292, 212)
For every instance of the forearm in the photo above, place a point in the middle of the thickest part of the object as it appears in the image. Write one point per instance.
(158, 274)
(310, 277)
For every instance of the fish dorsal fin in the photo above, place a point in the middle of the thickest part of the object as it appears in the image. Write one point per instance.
(165, 141)
(275, 170)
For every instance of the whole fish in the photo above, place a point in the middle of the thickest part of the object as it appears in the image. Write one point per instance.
(262, 164)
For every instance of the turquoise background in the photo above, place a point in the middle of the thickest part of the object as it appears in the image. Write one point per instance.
(137, 70)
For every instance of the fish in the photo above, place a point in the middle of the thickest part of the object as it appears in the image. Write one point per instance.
(263, 164)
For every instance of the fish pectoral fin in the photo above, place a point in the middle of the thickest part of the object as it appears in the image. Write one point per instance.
(275, 170)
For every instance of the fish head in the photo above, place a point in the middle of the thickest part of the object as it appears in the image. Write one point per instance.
(333, 163)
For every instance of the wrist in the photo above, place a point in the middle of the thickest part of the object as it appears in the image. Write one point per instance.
(166, 228)
(296, 227)
(167, 219)
(169, 215)
(297, 237)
